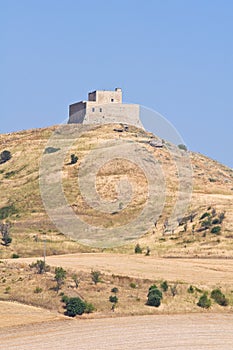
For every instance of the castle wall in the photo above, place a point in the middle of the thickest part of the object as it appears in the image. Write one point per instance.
(77, 112)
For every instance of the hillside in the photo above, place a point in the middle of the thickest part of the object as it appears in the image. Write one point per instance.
(21, 203)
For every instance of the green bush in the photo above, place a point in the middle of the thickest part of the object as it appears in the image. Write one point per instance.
(73, 159)
(95, 276)
(204, 301)
(182, 147)
(40, 266)
(133, 285)
(215, 221)
(191, 289)
(15, 256)
(38, 290)
(154, 296)
(204, 215)
(219, 297)
(137, 249)
(164, 286)
(75, 306)
(7, 211)
(216, 230)
(114, 290)
(113, 299)
(60, 276)
(89, 308)
(5, 156)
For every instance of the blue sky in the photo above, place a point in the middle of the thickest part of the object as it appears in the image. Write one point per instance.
(173, 56)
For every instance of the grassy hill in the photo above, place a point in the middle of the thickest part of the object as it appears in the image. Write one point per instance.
(21, 203)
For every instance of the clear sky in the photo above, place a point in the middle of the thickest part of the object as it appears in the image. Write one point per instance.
(174, 56)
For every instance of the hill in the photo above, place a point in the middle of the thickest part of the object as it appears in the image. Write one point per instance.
(22, 205)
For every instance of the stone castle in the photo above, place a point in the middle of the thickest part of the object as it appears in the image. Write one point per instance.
(105, 107)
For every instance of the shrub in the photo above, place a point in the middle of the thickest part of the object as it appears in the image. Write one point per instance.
(40, 266)
(204, 301)
(221, 217)
(215, 221)
(133, 285)
(147, 251)
(216, 230)
(5, 156)
(182, 147)
(7, 211)
(219, 297)
(75, 306)
(191, 289)
(164, 286)
(60, 275)
(154, 296)
(137, 249)
(206, 223)
(75, 279)
(204, 215)
(113, 299)
(115, 290)
(15, 256)
(95, 276)
(89, 308)
(73, 159)
(38, 290)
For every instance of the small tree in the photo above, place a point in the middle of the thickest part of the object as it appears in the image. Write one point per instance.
(75, 279)
(164, 286)
(137, 249)
(73, 159)
(204, 301)
(5, 156)
(95, 276)
(219, 297)
(75, 306)
(154, 296)
(60, 276)
(40, 266)
(5, 231)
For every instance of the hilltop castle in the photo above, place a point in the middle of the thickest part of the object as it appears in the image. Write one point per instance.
(105, 107)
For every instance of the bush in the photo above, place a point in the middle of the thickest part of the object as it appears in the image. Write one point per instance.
(115, 290)
(73, 159)
(154, 296)
(216, 230)
(75, 306)
(7, 211)
(113, 299)
(137, 249)
(40, 266)
(15, 256)
(133, 285)
(89, 308)
(95, 276)
(191, 289)
(219, 297)
(60, 275)
(215, 222)
(5, 156)
(204, 301)
(164, 286)
(182, 147)
(38, 290)
(204, 215)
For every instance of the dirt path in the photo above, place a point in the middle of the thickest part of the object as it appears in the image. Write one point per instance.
(201, 271)
(180, 332)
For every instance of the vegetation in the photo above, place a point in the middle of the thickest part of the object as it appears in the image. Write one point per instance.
(7, 211)
(40, 266)
(138, 249)
(219, 297)
(5, 231)
(204, 301)
(95, 276)
(216, 230)
(60, 276)
(75, 279)
(154, 296)
(73, 159)
(164, 286)
(76, 306)
(5, 156)
(182, 147)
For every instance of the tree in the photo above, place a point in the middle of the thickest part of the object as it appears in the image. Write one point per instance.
(60, 275)
(164, 286)
(75, 279)
(73, 159)
(137, 249)
(154, 296)
(75, 306)
(5, 156)
(204, 301)
(5, 231)
(40, 266)
(95, 276)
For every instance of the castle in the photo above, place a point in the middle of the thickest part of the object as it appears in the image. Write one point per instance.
(105, 107)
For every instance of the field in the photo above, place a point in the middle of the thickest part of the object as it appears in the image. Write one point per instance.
(180, 332)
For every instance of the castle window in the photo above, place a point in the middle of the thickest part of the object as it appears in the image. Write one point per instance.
(112, 99)
(101, 110)
(93, 109)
